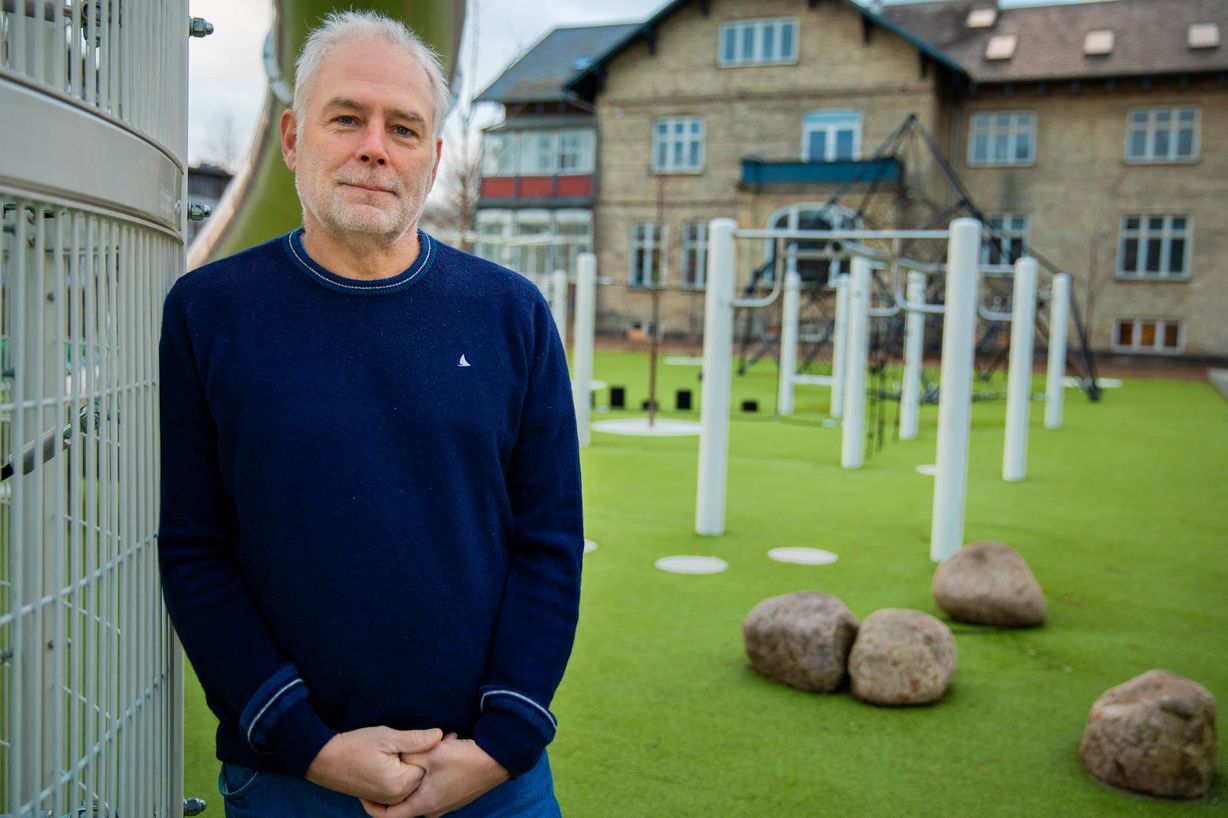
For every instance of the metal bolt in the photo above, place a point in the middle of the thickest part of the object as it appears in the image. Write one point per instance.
(199, 27)
(194, 806)
(199, 211)
(51, 296)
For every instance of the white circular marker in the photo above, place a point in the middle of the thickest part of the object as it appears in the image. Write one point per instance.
(661, 427)
(928, 468)
(683, 360)
(589, 546)
(692, 565)
(803, 556)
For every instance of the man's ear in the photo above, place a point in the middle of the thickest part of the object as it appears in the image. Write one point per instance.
(438, 154)
(289, 137)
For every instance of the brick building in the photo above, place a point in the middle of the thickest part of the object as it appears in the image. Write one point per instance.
(1092, 134)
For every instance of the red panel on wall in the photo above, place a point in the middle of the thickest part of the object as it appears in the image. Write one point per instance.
(500, 187)
(575, 186)
(535, 187)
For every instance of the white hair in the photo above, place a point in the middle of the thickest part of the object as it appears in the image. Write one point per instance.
(341, 27)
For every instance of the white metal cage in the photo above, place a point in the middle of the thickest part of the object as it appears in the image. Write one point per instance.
(91, 186)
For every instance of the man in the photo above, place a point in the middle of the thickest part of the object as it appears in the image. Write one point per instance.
(371, 533)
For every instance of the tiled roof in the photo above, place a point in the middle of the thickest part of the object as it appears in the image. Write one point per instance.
(539, 75)
(1150, 37)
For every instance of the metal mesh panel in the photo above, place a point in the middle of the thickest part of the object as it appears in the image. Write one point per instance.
(88, 680)
(123, 58)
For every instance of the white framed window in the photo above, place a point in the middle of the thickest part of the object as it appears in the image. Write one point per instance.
(694, 255)
(831, 135)
(758, 42)
(678, 145)
(573, 231)
(1154, 246)
(494, 228)
(1004, 138)
(566, 151)
(501, 154)
(1148, 335)
(647, 256)
(1162, 134)
(575, 151)
(1005, 240)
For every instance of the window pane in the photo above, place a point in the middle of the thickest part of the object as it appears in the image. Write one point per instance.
(1023, 147)
(1177, 223)
(748, 42)
(1138, 144)
(1163, 116)
(1138, 118)
(1125, 333)
(769, 42)
(1172, 333)
(662, 149)
(1161, 145)
(818, 146)
(1129, 256)
(980, 148)
(1185, 143)
(1188, 114)
(786, 41)
(1176, 256)
(1154, 251)
(1000, 145)
(1147, 334)
(1132, 222)
(731, 38)
(844, 144)
(1155, 223)
(694, 161)
(678, 148)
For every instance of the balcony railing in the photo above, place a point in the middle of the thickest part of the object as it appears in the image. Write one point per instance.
(756, 171)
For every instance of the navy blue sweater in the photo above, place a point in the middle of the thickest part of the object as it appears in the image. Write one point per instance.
(370, 501)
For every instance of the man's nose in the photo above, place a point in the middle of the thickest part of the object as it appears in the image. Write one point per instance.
(373, 149)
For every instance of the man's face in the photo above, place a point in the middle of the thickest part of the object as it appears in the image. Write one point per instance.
(363, 154)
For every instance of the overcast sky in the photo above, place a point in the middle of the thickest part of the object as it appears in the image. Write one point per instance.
(227, 82)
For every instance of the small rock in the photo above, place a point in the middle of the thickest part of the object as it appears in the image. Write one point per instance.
(902, 657)
(988, 583)
(1155, 734)
(801, 639)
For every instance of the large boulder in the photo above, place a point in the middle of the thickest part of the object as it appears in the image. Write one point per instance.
(988, 583)
(1155, 734)
(902, 657)
(801, 639)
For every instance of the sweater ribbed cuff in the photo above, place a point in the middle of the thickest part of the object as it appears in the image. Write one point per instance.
(297, 737)
(513, 729)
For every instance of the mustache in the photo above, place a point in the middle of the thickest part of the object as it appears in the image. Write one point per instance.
(391, 185)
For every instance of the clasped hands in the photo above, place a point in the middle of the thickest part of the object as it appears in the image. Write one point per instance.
(406, 773)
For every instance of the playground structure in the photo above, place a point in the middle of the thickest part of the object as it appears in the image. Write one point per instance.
(960, 312)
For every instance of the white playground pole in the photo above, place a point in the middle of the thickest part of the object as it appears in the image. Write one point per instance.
(852, 449)
(839, 336)
(955, 402)
(788, 338)
(914, 339)
(582, 343)
(1059, 318)
(1019, 377)
(717, 374)
(558, 302)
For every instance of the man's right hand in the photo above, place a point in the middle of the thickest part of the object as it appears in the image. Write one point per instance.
(368, 763)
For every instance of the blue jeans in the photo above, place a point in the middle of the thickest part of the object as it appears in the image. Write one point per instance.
(252, 794)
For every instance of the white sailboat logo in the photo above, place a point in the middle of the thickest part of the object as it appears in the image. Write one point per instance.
(463, 362)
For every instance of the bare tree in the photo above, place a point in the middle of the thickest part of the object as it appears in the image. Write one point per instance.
(223, 146)
(463, 176)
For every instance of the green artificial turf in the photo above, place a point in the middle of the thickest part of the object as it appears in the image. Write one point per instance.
(1121, 519)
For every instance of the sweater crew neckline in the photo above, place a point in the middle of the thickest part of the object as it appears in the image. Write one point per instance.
(427, 251)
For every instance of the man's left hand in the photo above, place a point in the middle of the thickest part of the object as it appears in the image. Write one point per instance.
(458, 771)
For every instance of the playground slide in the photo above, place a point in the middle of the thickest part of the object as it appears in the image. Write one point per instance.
(260, 202)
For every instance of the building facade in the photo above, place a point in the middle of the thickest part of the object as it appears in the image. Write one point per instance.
(1086, 134)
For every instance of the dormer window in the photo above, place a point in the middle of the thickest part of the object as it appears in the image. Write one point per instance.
(1098, 43)
(1204, 35)
(982, 18)
(1001, 47)
(758, 42)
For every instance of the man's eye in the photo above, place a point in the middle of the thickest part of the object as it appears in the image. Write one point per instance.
(401, 130)
(345, 119)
